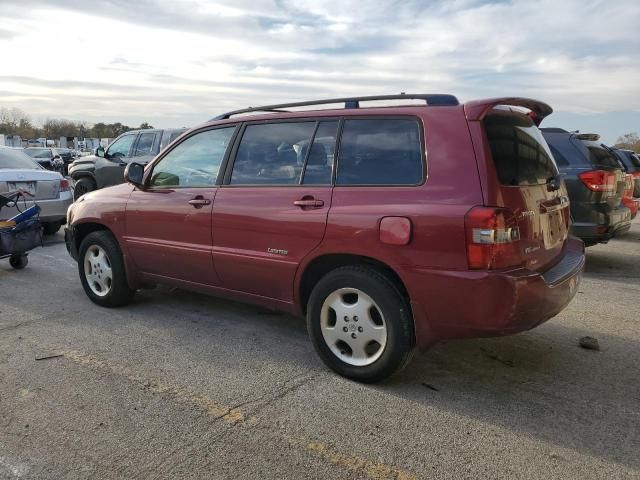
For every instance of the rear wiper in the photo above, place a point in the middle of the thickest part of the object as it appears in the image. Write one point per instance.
(554, 183)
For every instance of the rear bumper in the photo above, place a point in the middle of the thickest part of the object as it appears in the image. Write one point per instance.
(463, 304)
(54, 210)
(611, 225)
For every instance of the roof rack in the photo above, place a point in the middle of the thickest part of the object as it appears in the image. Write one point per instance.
(435, 99)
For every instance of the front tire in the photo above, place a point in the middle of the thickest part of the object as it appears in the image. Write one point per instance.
(18, 261)
(82, 186)
(360, 324)
(102, 272)
(51, 228)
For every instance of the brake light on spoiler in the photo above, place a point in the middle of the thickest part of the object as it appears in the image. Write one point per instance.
(493, 238)
(599, 180)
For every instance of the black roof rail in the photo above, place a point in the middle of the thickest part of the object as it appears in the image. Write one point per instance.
(433, 99)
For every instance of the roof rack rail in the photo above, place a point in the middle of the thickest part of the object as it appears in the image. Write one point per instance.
(434, 99)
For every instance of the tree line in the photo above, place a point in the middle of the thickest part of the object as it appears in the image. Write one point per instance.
(16, 122)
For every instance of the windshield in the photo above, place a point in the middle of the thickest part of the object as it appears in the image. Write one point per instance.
(15, 159)
(38, 152)
(600, 156)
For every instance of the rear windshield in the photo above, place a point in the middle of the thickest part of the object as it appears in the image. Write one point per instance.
(630, 159)
(600, 156)
(15, 159)
(520, 153)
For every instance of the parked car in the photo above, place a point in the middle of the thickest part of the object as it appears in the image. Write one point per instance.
(595, 182)
(106, 168)
(422, 205)
(50, 190)
(630, 160)
(67, 157)
(48, 158)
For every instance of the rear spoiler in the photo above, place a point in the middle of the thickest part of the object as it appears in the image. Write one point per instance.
(593, 137)
(477, 109)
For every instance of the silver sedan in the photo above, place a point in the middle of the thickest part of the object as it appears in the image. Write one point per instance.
(50, 190)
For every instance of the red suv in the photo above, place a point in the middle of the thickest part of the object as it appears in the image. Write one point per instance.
(390, 228)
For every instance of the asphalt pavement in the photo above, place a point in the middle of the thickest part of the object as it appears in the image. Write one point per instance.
(180, 385)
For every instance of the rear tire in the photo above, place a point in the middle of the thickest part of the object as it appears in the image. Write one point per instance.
(51, 228)
(82, 186)
(102, 272)
(370, 335)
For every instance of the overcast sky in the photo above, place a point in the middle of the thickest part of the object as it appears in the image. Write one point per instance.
(180, 62)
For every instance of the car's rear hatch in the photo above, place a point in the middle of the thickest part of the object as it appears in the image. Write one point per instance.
(610, 191)
(527, 183)
(43, 184)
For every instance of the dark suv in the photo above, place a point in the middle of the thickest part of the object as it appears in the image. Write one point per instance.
(106, 168)
(630, 160)
(388, 227)
(595, 182)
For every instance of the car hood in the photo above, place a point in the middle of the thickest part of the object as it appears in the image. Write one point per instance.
(22, 175)
(87, 159)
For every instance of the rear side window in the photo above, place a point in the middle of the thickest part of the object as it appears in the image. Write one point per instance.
(272, 153)
(520, 153)
(145, 144)
(380, 152)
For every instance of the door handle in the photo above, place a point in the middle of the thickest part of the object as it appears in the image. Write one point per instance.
(309, 202)
(199, 202)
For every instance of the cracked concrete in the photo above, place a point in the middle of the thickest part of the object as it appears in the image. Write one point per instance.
(178, 385)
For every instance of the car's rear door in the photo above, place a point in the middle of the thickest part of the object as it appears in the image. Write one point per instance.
(272, 209)
(527, 181)
(168, 223)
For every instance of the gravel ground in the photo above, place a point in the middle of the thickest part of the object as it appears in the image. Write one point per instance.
(179, 385)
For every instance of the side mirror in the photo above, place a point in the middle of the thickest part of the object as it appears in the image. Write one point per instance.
(100, 152)
(134, 174)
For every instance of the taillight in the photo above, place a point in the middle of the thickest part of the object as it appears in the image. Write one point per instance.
(628, 186)
(493, 238)
(599, 180)
(636, 174)
(64, 185)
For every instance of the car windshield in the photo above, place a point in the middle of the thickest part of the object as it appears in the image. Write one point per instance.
(38, 152)
(15, 159)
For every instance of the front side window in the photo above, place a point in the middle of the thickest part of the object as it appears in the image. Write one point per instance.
(380, 152)
(121, 147)
(195, 162)
(145, 144)
(272, 153)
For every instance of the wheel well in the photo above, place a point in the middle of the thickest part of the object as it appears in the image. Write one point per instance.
(324, 264)
(80, 176)
(84, 229)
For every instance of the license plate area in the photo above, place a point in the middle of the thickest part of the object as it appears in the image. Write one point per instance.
(555, 230)
(29, 187)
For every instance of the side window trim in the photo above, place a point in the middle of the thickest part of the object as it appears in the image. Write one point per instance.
(308, 152)
(149, 170)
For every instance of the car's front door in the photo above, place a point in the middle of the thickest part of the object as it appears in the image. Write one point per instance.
(272, 209)
(168, 222)
(110, 168)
